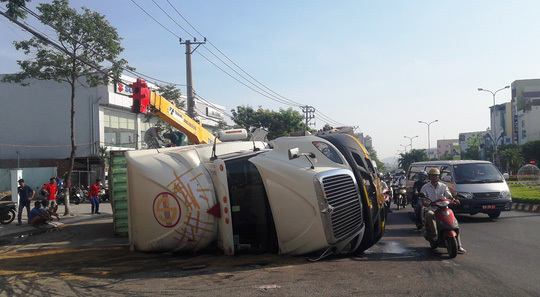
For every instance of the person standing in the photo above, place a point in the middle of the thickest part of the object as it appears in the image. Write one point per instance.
(25, 195)
(94, 193)
(51, 189)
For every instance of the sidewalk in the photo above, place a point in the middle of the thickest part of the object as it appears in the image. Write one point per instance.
(79, 213)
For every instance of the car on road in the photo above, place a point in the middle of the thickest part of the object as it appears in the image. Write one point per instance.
(483, 186)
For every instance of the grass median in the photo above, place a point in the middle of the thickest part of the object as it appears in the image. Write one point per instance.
(521, 194)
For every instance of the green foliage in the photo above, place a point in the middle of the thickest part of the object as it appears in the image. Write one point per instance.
(373, 155)
(473, 150)
(415, 155)
(85, 36)
(327, 127)
(531, 150)
(14, 9)
(511, 159)
(522, 194)
(446, 156)
(278, 124)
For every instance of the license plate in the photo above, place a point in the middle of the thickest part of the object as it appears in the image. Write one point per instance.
(486, 207)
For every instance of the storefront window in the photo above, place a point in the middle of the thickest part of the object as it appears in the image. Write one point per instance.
(119, 129)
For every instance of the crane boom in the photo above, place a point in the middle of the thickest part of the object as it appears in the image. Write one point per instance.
(145, 100)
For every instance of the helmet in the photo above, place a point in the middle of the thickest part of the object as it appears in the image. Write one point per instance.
(422, 173)
(434, 171)
(380, 175)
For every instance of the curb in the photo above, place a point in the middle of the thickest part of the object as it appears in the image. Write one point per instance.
(54, 224)
(526, 207)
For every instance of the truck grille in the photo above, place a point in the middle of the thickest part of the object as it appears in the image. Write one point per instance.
(342, 195)
(487, 195)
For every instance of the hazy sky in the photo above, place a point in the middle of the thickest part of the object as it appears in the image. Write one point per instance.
(378, 65)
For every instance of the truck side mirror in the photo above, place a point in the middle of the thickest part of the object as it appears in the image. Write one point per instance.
(294, 153)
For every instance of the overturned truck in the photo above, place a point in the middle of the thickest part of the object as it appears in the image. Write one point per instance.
(294, 195)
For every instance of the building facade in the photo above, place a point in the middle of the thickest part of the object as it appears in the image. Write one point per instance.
(445, 146)
(502, 123)
(35, 121)
(525, 110)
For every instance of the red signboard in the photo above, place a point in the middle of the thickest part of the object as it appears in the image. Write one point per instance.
(532, 161)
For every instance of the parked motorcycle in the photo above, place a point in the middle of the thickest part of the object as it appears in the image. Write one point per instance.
(75, 196)
(7, 212)
(447, 226)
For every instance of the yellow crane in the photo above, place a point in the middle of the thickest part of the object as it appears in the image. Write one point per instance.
(145, 100)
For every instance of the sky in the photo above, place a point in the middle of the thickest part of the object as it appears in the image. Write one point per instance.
(379, 65)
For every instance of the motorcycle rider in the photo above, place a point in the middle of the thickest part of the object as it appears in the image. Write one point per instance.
(433, 191)
(417, 187)
(385, 187)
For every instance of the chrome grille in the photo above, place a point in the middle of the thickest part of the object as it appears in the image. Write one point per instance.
(487, 195)
(342, 196)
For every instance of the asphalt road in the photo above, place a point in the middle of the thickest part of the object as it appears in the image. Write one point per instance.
(86, 259)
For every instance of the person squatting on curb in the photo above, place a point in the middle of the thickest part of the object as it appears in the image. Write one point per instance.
(94, 196)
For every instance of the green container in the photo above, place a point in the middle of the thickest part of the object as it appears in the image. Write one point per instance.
(118, 192)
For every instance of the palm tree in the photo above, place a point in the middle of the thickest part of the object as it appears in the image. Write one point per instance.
(406, 159)
(511, 158)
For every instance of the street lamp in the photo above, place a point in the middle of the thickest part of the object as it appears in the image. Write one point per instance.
(428, 140)
(411, 138)
(493, 125)
(404, 148)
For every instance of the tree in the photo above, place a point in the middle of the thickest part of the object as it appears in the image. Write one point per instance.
(86, 40)
(531, 150)
(511, 158)
(373, 155)
(327, 127)
(277, 123)
(14, 9)
(474, 144)
(415, 155)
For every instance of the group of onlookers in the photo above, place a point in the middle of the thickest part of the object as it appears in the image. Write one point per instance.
(45, 209)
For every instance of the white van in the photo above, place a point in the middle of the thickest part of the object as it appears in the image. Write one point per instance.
(481, 183)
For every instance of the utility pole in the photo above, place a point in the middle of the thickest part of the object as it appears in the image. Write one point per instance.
(310, 113)
(189, 77)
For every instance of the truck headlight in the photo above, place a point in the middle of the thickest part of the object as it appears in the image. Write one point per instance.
(506, 194)
(465, 195)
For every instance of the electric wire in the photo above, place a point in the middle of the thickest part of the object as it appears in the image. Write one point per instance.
(224, 63)
(230, 60)
(135, 73)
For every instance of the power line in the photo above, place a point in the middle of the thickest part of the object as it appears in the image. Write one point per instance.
(210, 42)
(282, 100)
(226, 64)
(132, 71)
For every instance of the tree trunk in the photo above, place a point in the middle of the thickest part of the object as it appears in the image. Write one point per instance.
(73, 147)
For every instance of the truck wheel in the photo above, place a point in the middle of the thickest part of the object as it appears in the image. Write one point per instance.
(494, 215)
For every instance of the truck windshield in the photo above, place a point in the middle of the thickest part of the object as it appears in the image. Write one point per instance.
(477, 173)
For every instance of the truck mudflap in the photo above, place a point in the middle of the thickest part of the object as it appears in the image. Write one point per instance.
(170, 198)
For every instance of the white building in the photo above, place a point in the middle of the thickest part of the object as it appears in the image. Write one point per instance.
(35, 122)
(445, 146)
(526, 110)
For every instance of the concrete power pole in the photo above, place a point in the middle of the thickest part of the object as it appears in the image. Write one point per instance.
(189, 77)
(310, 114)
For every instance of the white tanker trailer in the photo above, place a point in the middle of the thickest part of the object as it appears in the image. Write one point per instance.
(298, 197)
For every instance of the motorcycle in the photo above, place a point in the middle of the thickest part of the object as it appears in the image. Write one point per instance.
(7, 212)
(447, 226)
(75, 196)
(400, 196)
